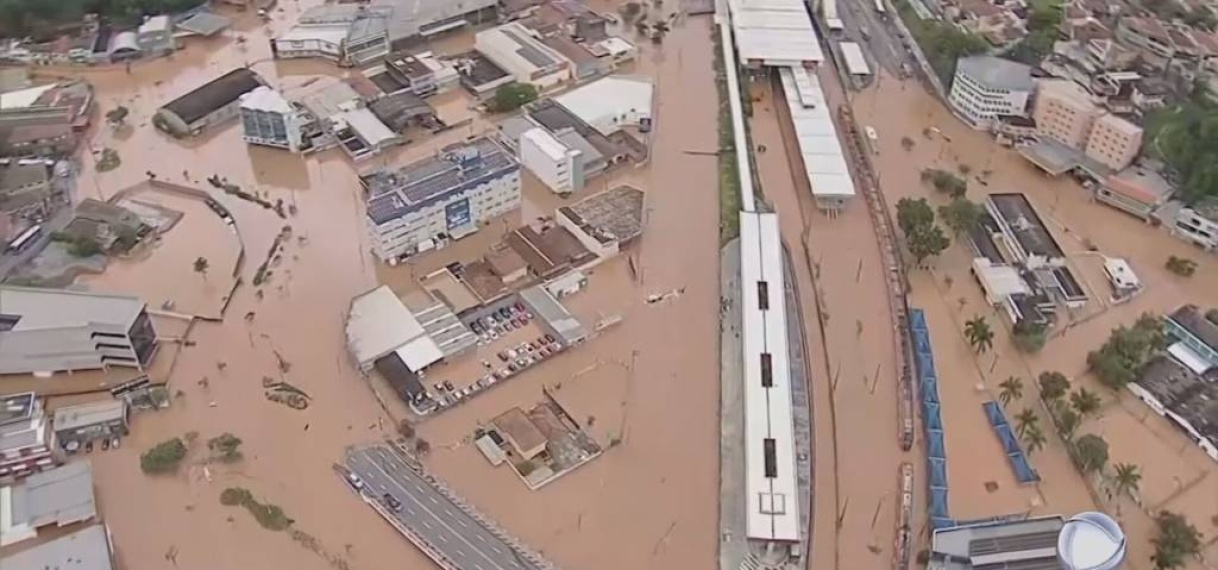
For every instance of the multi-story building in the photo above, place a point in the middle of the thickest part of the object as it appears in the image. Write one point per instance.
(1113, 142)
(1135, 191)
(555, 164)
(428, 203)
(1195, 334)
(26, 442)
(986, 87)
(1064, 112)
(43, 331)
(1147, 34)
(422, 74)
(518, 51)
(1198, 224)
(270, 120)
(25, 188)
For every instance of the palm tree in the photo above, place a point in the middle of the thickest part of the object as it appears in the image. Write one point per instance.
(201, 265)
(1128, 476)
(1085, 402)
(1025, 420)
(979, 335)
(1010, 389)
(1033, 439)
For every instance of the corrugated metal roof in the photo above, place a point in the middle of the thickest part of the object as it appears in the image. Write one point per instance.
(59, 496)
(73, 417)
(824, 160)
(776, 32)
(88, 549)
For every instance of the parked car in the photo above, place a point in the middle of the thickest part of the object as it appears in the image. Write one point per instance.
(549, 338)
(105, 444)
(89, 447)
(545, 353)
(503, 356)
(116, 443)
(519, 306)
(355, 482)
(513, 366)
(448, 385)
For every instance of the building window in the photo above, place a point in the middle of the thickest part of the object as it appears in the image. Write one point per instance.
(771, 459)
(763, 295)
(767, 370)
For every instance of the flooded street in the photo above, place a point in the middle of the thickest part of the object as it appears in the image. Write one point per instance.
(1176, 475)
(651, 381)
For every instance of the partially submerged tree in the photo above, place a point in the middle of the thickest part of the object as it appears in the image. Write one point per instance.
(1176, 540)
(1181, 266)
(1127, 479)
(1026, 419)
(1085, 402)
(163, 457)
(1033, 439)
(201, 265)
(1029, 337)
(1127, 350)
(225, 447)
(961, 215)
(117, 115)
(945, 182)
(1091, 453)
(917, 221)
(1053, 385)
(1010, 389)
(979, 335)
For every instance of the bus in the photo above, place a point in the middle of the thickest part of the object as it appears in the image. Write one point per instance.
(25, 238)
(880, 8)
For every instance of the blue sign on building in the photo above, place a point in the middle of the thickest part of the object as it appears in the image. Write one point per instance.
(457, 214)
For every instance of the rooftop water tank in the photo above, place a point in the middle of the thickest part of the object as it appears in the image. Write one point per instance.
(1091, 541)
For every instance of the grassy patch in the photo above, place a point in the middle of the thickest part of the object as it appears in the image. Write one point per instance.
(729, 172)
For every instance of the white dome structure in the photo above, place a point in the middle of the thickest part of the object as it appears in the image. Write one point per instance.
(1091, 541)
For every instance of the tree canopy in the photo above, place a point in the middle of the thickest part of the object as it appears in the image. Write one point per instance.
(1044, 18)
(960, 215)
(164, 457)
(942, 42)
(1121, 358)
(1091, 452)
(923, 236)
(513, 96)
(1053, 385)
(1176, 540)
(1185, 137)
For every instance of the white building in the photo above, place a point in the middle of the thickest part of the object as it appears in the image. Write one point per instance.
(430, 202)
(519, 52)
(1198, 224)
(774, 33)
(611, 103)
(555, 164)
(270, 120)
(771, 481)
(986, 87)
(820, 147)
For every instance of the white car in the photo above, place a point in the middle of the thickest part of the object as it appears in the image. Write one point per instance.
(355, 482)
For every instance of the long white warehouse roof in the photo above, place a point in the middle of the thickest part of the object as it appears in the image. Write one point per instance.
(819, 145)
(775, 32)
(771, 487)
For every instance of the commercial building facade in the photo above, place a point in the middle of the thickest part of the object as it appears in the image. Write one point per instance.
(78, 425)
(986, 87)
(268, 119)
(430, 202)
(43, 331)
(1113, 142)
(1064, 112)
(555, 164)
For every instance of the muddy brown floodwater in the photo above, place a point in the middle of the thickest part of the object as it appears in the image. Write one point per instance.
(1175, 474)
(649, 502)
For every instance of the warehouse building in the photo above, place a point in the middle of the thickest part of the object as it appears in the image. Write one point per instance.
(43, 331)
(429, 203)
(212, 104)
(55, 498)
(268, 119)
(518, 51)
(612, 103)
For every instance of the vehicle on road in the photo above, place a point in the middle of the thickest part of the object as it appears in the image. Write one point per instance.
(25, 238)
(355, 482)
(392, 502)
(448, 385)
